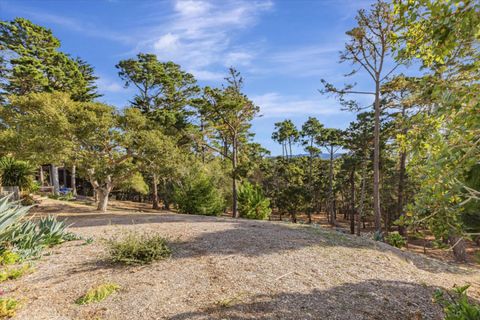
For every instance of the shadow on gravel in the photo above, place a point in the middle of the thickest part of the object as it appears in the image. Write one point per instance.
(256, 238)
(382, 300)
(240, 237)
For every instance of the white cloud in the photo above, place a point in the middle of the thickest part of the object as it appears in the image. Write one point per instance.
(192, 7)
(208, 75)
(107, 85)
(167, 42)
(200, 34)
(238, 58)
(273, 105)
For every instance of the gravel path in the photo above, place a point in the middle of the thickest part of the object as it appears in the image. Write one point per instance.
(233, 269)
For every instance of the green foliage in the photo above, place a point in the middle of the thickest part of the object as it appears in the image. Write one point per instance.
(33, 63)
(378, 236)
(66, 197)
(8, 257)
(16, 173)
(135, 183)
(252, 204)
(456, 304)
(395, 239)
(98, 293)
(164, 89)
(197, 194)
(52, 231)
(15, 273)
(28, 238)
(135, 249)
(8, 307)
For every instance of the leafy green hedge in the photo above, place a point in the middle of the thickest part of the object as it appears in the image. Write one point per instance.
(198, 194)
(252, 204)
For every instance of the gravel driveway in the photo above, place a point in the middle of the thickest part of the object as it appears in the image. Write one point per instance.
(233, 269)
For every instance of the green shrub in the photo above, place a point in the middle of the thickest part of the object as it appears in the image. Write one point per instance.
(395, 239)
(98, 294)
(8, 257)
(66, 197)
(14, 273)
(378, 236)
(16, 173)
(135, 183)
(252, 204)
(138, 249)
(198, 194)
(456, 304)
(8, 307)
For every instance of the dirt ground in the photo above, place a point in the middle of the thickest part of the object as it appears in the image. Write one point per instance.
(223, 268)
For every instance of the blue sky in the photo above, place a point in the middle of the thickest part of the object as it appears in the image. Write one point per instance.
(282, 47)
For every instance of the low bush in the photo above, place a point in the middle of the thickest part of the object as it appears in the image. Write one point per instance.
(15, 273)
(138, 249)
(456, 304)
(8, 257)
(395, 239)
(198, 194)
(98, 294)
(8, 307)
(252, 204)
(63, 197)
(16, 173)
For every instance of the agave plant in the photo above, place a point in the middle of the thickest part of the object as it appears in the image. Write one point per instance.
(52, 230)
(27, 237)
(10, 214)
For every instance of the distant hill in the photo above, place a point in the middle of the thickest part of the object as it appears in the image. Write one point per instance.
(324, 156)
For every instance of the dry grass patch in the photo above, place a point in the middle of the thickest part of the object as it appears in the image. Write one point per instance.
(98, 294)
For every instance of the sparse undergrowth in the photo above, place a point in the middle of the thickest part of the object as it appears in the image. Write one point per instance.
(15, 273)
(395, 239)
(137, 248)
(456, 304)
(8, 257)
(98, 293)
(8, 307)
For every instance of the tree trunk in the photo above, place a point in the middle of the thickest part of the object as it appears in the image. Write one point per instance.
(362, 197)
(376, 162)
(310, 185)
(202, 150)
(74, 180)
(332, 202)
(401, 181)
(352, 208)
(56, 184)
(234, 179)
(458, 247)
(155, 191)
(41, 176)
(294, 217)
(290, 147)
(103, 194)
(64, 176)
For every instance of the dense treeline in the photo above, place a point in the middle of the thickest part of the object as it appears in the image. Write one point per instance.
(409, 162)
